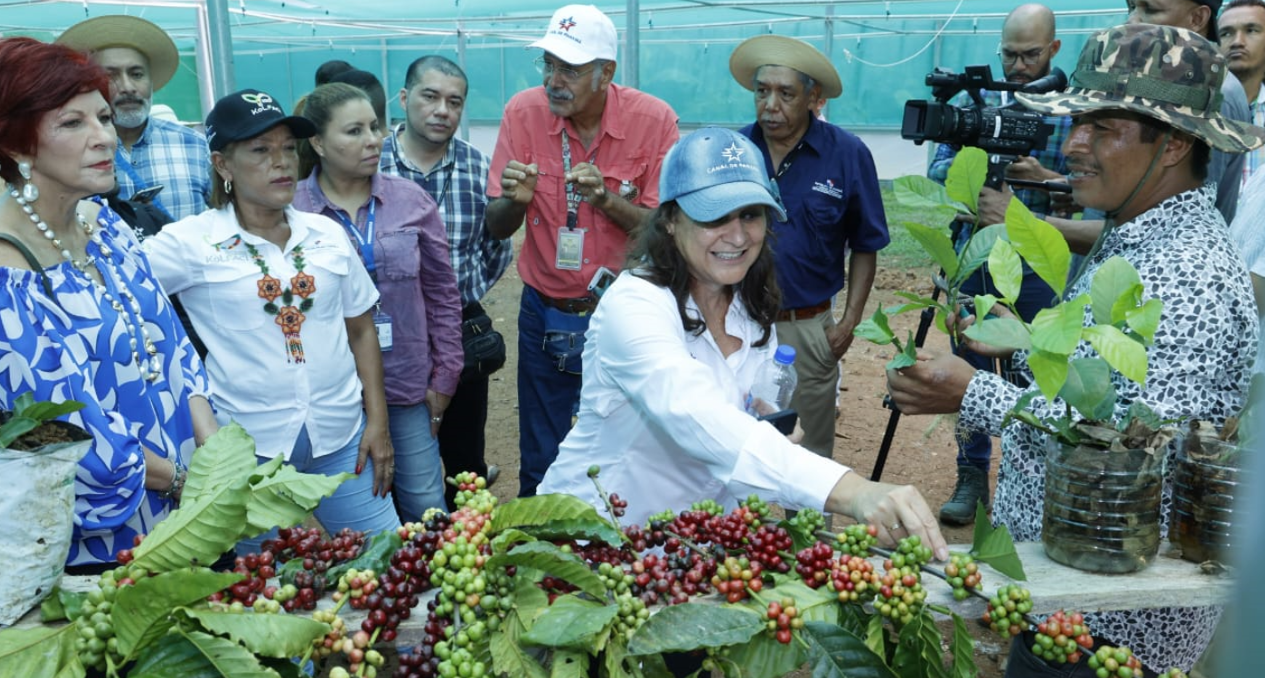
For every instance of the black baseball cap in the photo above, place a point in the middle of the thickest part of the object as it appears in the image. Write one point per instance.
(246, 114)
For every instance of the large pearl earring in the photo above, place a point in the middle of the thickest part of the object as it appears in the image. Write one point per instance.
(30, 192)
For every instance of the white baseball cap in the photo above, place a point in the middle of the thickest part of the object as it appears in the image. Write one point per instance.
(578, 34)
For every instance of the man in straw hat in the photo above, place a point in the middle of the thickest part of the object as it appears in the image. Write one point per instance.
(577, 160)
(1145, 106)
(829, 186)
(141, 58)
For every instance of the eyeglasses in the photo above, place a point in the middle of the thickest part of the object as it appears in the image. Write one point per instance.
(548, 69)
(1030, 57)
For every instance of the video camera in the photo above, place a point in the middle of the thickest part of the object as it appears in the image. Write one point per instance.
(1004, 133)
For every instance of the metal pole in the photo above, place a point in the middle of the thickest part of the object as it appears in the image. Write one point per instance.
(632, 46)
(461, 59)
(829, 48)
(218, 55)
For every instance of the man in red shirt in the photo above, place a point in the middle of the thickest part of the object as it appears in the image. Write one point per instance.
(577, 159)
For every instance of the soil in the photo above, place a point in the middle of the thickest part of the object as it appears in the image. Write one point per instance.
(922, 454)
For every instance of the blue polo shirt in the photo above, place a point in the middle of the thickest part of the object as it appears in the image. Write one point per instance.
(830, 189)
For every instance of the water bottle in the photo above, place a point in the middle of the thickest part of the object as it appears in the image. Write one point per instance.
(774, 384)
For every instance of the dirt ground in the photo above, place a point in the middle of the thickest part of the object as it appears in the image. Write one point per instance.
(923, 453)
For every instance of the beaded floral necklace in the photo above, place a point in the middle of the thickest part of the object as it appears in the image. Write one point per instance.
(288, 316)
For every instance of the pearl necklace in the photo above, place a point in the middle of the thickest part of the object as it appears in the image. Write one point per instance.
(151, 366)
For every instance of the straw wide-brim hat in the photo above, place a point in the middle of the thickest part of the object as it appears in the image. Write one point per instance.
(777, 50)
(118, 30)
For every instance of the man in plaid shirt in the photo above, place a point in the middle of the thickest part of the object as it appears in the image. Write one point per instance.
(1027, 47)
(423, 149)
(140, 58)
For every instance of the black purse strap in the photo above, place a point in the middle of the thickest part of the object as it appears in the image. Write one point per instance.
(35, 264)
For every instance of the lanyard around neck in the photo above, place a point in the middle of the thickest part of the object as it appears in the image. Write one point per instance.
(573, 196)
(363, 239)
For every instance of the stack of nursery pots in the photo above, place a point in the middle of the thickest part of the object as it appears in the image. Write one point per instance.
(1205, 482)
(1102, 506)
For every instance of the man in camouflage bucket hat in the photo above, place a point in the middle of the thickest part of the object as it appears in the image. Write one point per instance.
(1144, 101)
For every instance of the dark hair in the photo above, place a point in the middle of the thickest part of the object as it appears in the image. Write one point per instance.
(372, 86)
(35, 78)
(656, 258)
(326, 71)
(804, 79)
(319, 108)
(1200, 152)
(1233, 4)
(433, 62)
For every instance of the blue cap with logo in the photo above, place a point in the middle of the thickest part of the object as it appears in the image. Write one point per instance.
(715, 171)
(246, 114)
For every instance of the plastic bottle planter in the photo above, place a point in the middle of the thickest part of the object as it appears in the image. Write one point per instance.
(1205, 482)
(1102, 508)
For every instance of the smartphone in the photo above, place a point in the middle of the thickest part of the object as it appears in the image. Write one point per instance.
(601, 280)
(146, 195)
(783, 421)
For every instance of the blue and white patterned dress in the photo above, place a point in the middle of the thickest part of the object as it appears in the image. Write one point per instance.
(77, 348)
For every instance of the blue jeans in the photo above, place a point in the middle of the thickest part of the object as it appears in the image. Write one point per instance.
(549, 346)
(352, 504)
(419, 478)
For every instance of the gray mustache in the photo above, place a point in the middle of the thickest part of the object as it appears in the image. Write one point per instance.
(564, 95)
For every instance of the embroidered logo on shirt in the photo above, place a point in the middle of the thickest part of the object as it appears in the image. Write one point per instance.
(828, 188)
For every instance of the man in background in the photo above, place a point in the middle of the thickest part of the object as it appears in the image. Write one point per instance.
(577, 159)
(1241, 33)
(423, 148)
(152, 153)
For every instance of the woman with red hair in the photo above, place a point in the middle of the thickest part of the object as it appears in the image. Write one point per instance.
(81, 315)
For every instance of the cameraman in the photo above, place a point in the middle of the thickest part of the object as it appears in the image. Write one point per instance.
(1027, 47)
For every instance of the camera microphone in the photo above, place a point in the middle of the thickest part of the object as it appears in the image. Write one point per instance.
(1054, 82)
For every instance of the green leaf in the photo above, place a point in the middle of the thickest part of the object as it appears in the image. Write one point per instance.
(227, 657)
(814, 604)
(569, 664)
(937, 244)
(921, 193)
(918, 652)
(1041, 245)
(226, 458)
(994, 545)
(198, 532)
(570, 623)
(1127, 356)
(690, 626)
(142, 611)
(764, 657)
(1145, 319)
(984, 303)
(963, 651)
(966, 177)
(530, 601)
(875, 329)
(550, 558)
(40, 652)
(504, 541)
(976, 252)
(287, 498)
(173, 655)
(374, 555)
(1006, 270)
(1050, 372)
(1089, 389)
(270, 635)
(1115, 278)
(1001, 332)
(527, 513)
(837, 653)
(508, 656)
(62, 604)
(903, 359)
(1058, 329)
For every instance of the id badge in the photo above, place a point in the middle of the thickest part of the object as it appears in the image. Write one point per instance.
(570, 249)
(382, 323)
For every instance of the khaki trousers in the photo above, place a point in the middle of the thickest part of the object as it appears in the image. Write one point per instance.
(818, 373)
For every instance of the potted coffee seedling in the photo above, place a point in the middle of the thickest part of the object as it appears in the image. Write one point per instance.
(1104, 471)
(38, 456)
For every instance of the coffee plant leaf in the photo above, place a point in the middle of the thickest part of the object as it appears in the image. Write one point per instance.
(143, 611)
(875, 329)
(976, 252)
(227, 457)
(963, 651)
(374, 555)
(1088, 388)
(508, 655)
(927, 195)
(1001, 332)
(1114, 280)
(269, 635)
(995, 546)
(173, 655)
(228, 658)
(1125, 355)
(966, 177)
(1049, 370)
(287, 497)
(837, 653)
(1145, 319)
(571, 623)
(918, 653)
(1041, 245)
(569, 664)
(690, 626)
(764, 657)
(41, 652)
(198, 532)
(819, 604)
(1057, 329)
(876, 635)
(1006, 270)
(526, 513)
(551, 559)
(937, 244)
(62, 604)
(508, 539)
